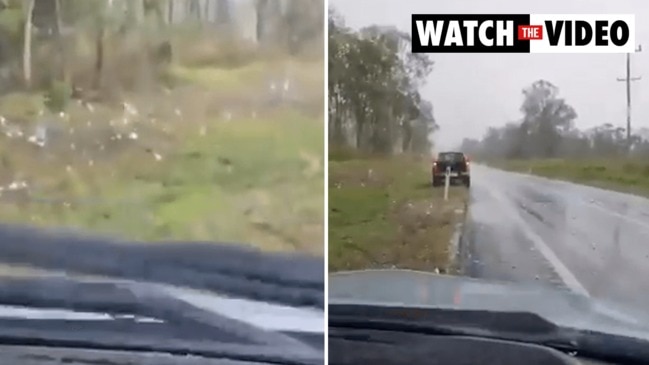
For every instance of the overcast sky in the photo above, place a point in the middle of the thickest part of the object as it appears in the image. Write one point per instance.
(471, 91)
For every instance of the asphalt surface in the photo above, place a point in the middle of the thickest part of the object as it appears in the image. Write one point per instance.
(530, 229)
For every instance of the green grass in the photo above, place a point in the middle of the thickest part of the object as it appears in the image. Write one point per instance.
(383, 212)
(21, 105)
(310, 75)
(258, 181)
(625, 175)
(231, 79)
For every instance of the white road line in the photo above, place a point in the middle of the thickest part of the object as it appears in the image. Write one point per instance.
(564, 273)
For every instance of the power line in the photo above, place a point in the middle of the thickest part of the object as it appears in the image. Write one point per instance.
(628, 80)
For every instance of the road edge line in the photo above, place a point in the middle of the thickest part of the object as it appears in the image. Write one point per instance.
(568, 278)
(455, 245)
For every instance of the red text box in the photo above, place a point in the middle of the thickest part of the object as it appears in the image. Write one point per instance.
(530, 32)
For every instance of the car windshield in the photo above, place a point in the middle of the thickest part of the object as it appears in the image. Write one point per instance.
(136, 137)
(556, 195)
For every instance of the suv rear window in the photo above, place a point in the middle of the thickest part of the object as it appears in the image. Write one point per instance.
(451, 156)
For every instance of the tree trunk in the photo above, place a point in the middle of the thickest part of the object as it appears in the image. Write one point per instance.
(195, 10)
(65, 69)
(136, 11)
(260, 8)
(406, 137)
(171, 12)
(99, 60)
(27, 46)
(223, 11)
(360, 118)
(206, 11)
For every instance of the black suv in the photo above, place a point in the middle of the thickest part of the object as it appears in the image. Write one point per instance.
(457, 165)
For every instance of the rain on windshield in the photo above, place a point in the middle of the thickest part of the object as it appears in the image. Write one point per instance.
(559, 186)
(175, 120)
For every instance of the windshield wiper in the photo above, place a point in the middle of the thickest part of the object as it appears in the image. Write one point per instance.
(511, 326)
(185, 329)
(238, 270)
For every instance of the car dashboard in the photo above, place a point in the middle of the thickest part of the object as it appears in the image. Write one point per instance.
(35, 355)
(351, 347)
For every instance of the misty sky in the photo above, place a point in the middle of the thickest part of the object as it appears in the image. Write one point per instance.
(471, 91)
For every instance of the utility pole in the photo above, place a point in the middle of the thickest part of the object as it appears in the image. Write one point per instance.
(628, 80)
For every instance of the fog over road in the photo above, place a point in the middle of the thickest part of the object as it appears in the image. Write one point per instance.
(531, 229)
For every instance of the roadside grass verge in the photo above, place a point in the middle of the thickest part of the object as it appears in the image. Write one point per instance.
(384, 213)
(623, 175)
(192, 173)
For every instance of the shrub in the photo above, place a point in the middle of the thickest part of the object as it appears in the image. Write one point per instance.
(58, 96)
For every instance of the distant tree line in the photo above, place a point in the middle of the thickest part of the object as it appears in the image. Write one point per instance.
(547, 130)
(374, 82)
(38, 37)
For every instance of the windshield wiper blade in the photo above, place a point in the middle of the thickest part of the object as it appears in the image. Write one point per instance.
(207, 328)
(238, 270)
(511, 326)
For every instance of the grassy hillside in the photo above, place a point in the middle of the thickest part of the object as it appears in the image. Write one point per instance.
(216, 157)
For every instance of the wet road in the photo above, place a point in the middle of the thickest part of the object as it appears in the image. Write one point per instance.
(525, 228)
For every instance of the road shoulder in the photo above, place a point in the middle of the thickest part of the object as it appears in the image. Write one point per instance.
(384, 213)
